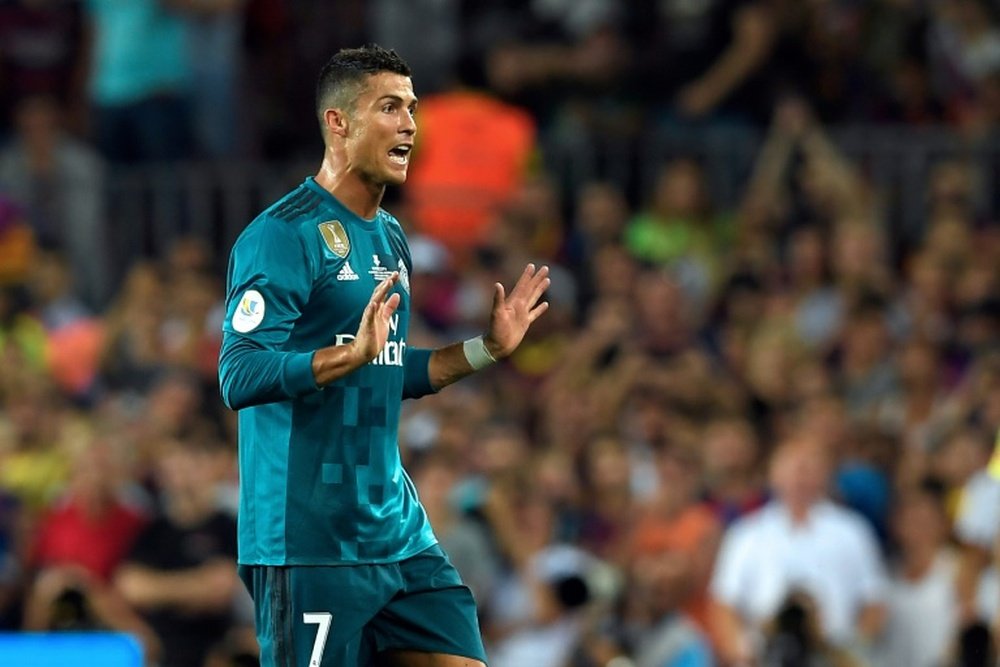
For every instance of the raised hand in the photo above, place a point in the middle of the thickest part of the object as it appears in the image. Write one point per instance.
(373, 330)
(513, 314)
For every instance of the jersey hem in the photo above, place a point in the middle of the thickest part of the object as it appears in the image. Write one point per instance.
(325, 562)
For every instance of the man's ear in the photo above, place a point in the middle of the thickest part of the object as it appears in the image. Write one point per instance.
(335, 121)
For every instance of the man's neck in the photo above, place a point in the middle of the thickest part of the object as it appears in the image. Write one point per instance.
(918, 560)
(799, 512)
(360, 196)
(187, 510)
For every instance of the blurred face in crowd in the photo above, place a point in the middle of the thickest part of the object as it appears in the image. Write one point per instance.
(858, 250)
(800, 471)
(607, 464)
(950, 239)
(951, 185)
(501, 450)
(680, 474)
(807, 258)
(661, 308)
(37, 120)
(601, 212)
(825, 418)
(979, 280)
(379, 130)
(962, 454)
(929, 278)
(50, 277)
(866, 340)
(919, 521)
(173, 402)
(662, 581)
(189, 254)
(187, 470)
(730, 448)
(772, 356)
(97, 471)
(29, 411)
(680, 190)
(435, 479)
(614, 272)
(919, 365)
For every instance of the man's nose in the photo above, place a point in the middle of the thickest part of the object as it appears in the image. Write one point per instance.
(409, 125)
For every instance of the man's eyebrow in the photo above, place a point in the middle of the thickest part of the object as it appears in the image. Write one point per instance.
(395, 98)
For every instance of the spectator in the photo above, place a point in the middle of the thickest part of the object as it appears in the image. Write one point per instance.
(910, 412)
(716, 53)
(453, 194)
(965, 47)
(33, 462)
(134, 349)
(819, 308)
(866, 376)
(75, 338)
(734, 484)
(43, 52)
(467, 544)
(140, 81)
(79, 542)
(92, 526)
(214, 49)
(426, 33)
(680, 229)
(977, 526)
(800, 542)
(921, 624)
(17, 244)
(60, 182)
(657, 633)
(675, 522)
(181, 572)
(563, 51)
(608, 497)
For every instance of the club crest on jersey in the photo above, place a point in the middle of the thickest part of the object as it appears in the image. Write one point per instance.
(404, 276)
(249, 311)
(378, 271)
(335, 237)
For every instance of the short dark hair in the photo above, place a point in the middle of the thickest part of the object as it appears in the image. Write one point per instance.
(341, 79)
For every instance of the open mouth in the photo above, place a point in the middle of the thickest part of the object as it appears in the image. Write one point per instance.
(400, 154)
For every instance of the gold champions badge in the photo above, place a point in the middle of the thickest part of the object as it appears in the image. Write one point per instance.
(335, 237)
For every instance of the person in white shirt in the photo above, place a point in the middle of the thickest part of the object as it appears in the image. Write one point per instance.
(977, 527)
(922, 603)
(800, 543)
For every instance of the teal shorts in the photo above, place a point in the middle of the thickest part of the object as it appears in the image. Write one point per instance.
(345, 615)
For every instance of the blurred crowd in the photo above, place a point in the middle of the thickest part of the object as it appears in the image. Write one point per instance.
(756, 434)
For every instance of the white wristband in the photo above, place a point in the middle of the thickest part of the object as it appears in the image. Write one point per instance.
(477, 354)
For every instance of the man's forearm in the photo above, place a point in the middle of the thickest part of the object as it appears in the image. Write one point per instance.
(448, 365)
(206, 586)
(751, 46)
(871, 620)
(332, 363)
(734, 647)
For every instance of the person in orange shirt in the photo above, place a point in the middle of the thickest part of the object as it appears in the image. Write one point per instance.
(676, 522)
(473, 153)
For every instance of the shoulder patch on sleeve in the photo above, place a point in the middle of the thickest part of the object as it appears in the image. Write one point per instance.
(249, 312)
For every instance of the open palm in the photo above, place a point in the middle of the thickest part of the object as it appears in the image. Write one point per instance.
(513, 314)
(373, 330)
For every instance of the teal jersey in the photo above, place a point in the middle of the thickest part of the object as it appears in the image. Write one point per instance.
(321, 480)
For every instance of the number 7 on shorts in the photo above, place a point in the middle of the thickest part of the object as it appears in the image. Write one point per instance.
(323, 620)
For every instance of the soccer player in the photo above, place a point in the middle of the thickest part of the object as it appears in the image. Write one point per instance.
(334, 545)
